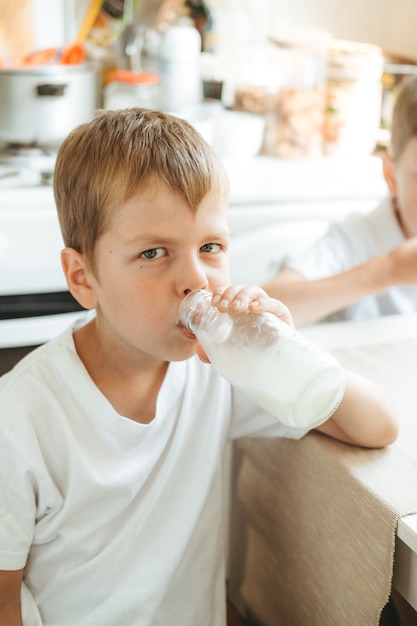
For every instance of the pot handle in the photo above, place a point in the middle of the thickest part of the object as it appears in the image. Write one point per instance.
(51, 89)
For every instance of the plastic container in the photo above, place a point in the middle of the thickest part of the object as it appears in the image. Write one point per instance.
(272, 363)
(132, 89)
(354, 97)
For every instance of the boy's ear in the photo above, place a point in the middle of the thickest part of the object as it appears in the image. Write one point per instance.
(78, 276)
(389, 174)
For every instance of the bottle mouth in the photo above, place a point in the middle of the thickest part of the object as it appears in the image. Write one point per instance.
(189, 304)
(187, 332)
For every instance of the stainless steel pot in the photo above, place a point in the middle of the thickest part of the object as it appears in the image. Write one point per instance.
(43, 104)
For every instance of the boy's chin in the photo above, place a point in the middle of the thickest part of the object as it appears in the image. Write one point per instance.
(184, 355)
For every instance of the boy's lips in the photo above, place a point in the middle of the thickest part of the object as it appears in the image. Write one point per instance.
(187, 332)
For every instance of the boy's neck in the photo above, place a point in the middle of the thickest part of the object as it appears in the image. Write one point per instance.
(132, 390)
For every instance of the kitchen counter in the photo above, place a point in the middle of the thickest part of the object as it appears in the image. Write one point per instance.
(264, 189)
(268, 180)
(330, 526)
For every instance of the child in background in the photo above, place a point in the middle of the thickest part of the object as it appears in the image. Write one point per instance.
(366, 265)
(112, 436)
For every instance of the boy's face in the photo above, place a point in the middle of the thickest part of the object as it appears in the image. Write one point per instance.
(403, 186)
(155, 250)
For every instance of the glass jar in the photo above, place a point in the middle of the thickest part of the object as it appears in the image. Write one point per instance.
(291, 95)
(278, 368)
(353, 99)
(132, 89)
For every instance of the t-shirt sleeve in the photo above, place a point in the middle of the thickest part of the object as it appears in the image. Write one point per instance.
(347, 243)
(17, 508)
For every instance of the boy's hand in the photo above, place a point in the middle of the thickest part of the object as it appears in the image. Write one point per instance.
(240, 298)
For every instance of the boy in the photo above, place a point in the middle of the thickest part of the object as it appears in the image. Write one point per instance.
(366, 265)
(112, 436)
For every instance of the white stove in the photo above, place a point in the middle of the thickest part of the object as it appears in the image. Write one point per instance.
(30, 238)
(35, 304)
(26, 165)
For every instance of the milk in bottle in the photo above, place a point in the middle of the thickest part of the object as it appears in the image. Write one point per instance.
(276, 366)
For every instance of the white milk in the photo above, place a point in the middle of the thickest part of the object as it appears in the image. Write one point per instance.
(282, 371)
(299, 392)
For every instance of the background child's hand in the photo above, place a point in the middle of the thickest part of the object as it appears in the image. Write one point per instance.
(240, 298)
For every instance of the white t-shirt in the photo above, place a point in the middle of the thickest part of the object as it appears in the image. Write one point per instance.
(349, 243)
(117, 523)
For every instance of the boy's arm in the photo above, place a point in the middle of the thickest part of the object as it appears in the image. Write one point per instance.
(311, 300)
(10, 590)
(365, 417)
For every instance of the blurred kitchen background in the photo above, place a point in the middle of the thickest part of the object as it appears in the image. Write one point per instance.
(307, 77)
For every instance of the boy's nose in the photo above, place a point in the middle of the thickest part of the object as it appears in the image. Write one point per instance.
(194, 278)
(202, 285)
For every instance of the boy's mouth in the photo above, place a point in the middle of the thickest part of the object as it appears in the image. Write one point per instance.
(187, 332)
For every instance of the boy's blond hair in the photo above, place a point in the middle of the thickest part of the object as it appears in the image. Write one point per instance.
(103, 163)
(404, 117)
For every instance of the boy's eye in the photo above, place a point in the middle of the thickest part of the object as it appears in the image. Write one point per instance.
(153, 253)
(211, 247)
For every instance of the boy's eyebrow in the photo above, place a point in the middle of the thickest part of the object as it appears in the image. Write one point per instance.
(153, 239)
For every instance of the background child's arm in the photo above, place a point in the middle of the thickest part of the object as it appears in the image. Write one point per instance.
(10, 589)
(365, 417)
(311, 300)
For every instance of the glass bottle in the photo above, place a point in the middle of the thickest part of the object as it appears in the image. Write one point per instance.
(276, 366)
(179, 67)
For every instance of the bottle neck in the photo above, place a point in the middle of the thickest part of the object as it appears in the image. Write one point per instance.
(194, 308)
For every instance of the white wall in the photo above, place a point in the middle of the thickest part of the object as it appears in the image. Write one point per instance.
(360, 20)
(402, 27)
(391, 24)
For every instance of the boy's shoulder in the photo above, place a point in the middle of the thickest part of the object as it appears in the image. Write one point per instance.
(379, 226)
(381, 210)
(36, 367)
(366, 224)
